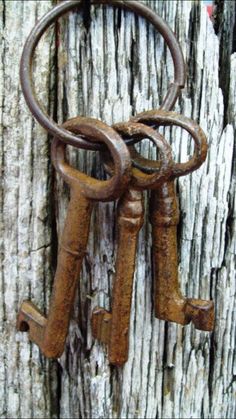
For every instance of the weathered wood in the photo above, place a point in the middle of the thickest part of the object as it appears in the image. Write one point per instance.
(27, 380)
(116, 68)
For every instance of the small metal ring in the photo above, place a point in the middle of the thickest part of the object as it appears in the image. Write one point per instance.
(64, 7)
(159, 118)
(98, 190)
(139, 179)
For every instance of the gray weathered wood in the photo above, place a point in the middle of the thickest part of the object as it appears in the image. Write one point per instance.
(110, 74)
(27, 380)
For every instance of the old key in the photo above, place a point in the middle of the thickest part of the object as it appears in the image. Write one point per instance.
(164, 215)
(50, 332)
(112, 327)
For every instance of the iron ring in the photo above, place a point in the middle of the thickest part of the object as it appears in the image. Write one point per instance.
(91, 188)
(159, 118)
(26, 63)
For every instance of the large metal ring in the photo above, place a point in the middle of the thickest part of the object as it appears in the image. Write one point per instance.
(64, 7)
(159, 118)
(95, 130)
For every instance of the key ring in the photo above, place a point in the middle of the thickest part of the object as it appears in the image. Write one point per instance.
(59, 10)
(91, 188)
(159, 118)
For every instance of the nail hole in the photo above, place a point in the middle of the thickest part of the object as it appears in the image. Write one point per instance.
(24, 327)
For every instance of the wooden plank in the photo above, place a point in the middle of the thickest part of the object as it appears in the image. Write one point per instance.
(115, 69)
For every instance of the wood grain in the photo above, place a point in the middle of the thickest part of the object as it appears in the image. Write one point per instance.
(115, 69)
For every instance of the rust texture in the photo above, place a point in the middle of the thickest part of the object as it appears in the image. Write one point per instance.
(169, 303)
(49, 333)
(113, 328)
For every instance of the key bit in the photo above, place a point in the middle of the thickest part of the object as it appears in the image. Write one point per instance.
(101, 325)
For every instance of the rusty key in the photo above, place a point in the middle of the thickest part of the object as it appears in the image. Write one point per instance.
(112, 327)
(170, 304)
(50, 332)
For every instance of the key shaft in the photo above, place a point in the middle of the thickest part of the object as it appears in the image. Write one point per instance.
(113, 328)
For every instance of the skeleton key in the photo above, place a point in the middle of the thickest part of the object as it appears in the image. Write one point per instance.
(164, 215)
(112, 327)
(49, 333)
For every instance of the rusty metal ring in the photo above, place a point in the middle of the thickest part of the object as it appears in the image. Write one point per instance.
(139, 179)
(64, 7)
(94, 130)
(159, 118)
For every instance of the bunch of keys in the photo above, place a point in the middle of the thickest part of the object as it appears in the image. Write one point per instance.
(130, 174)
(113, 328)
